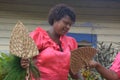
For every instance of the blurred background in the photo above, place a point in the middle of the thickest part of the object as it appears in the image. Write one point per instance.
(97, 20)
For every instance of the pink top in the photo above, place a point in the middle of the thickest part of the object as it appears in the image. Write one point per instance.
(116, 64)
(51, 62)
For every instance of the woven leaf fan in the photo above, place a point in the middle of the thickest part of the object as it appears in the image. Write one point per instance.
(21, 44)
(80, 58)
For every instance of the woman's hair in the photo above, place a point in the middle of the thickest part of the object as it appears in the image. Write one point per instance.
(60, 11)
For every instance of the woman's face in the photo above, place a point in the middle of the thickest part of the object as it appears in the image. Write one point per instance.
(62, 26)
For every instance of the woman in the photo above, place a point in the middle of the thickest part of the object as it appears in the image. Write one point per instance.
(110, 74)
(54, 46)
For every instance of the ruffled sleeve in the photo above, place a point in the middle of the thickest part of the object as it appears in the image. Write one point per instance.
(69, 41)
(37, 35)
(73, 44)
(116, 64)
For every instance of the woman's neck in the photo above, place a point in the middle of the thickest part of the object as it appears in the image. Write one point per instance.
(54, 36)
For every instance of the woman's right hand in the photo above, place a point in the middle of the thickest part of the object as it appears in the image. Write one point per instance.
(24, 63)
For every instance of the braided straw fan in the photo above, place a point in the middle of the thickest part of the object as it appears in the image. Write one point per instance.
(80, 58)
(21, 44)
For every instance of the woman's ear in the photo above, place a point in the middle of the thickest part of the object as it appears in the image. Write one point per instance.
(54, 21)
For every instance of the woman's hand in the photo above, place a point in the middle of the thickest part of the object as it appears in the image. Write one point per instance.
(93, 64)
(24, 63)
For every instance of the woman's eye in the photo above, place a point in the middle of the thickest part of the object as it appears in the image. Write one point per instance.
(66, 23)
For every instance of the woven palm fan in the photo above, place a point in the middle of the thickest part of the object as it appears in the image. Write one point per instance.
(21, 44)
(80, 58)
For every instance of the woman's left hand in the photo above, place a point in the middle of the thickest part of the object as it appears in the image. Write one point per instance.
(24, 63)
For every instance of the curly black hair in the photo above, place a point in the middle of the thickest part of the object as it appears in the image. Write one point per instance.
(59, 11)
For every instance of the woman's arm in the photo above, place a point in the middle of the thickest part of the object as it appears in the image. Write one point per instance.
(106, 73)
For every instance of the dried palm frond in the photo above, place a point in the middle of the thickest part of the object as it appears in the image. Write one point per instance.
(21, 44)
(80, 57)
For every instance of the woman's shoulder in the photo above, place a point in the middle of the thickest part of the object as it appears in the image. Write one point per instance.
(38, 31)
(70, 38)
(71, 41)
(40, 36)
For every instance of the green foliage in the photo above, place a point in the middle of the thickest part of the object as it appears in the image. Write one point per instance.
(34, 70)
(10, 68)
(4, 60)
(15, 72)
